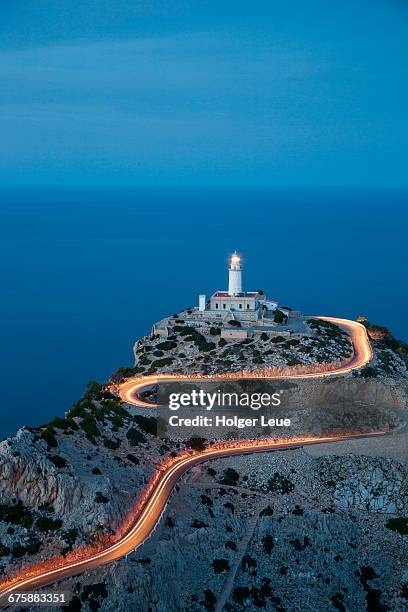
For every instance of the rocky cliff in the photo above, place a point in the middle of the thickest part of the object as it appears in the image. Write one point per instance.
(265, 531)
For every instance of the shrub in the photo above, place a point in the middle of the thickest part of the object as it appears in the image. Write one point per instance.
(221, 565)
(100, 498)
(293, 361)
(132, 459)
(117, 421)
(368, 372)
(207, 501)
(96, 471)
(58, 461)
(215, 331)
(115, 406)
(17, 514)
(188, 331)
(167, 345)
(267, 542)
(264, 337)
(230, 477)
(241, 594)
(59, 423)
(26, 520)
(209, 600)
(4, 550)
(222, 342)
(33, 546)
(297, 544)
(279, 317)
(78, 410)
(377, 328)
(277, 339)
(45, 523)
(198, 339)
(112, 444)
(196, 443)
(88, 424)
(330, 329)
(134, 436)
(234, 323)
(145, 361)
(205, 347)
(70, 537)
(161, 363)
(48, 435)
(247, 562)
(198, 524)
(399, 524)
(18, 551)
(231, 545)
(125, 372)
(94, 390)
(280, 484)
(93, 592)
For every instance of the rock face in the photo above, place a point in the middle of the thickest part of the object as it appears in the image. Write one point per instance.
(62, 486)
(378, 485)
(200, 348)
(28, 475)
(262, 531)
(280, 535)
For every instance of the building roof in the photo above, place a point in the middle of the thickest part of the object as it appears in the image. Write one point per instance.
(244, 294)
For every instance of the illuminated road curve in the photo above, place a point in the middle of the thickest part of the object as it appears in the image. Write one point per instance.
(162, 485)
(362, 355)
(149, 516)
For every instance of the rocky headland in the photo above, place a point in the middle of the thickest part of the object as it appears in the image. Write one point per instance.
(265, 531)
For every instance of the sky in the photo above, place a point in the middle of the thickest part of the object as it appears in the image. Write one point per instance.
(203, 93)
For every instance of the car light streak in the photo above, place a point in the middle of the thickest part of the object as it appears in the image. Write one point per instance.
(362, 354)
(151, 505)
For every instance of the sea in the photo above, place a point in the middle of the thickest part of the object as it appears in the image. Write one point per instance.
(85, 273)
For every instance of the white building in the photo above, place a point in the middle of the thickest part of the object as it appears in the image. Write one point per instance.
(235, 303)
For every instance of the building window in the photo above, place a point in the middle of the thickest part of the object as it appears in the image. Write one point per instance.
(247, 306)
(216, 305)
(240, 305)
(223, 305)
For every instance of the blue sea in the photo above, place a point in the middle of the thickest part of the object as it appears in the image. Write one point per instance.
(84, 274)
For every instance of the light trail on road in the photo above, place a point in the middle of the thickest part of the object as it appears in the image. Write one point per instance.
(158, 492)
(362, 354)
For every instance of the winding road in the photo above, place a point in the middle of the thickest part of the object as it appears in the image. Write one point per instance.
(130, 390)
(159, 490)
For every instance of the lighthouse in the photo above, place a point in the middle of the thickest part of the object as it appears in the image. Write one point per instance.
(235, 275)
(234, 304)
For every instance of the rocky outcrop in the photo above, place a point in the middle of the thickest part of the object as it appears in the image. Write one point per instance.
(29, 476)
(267, 542)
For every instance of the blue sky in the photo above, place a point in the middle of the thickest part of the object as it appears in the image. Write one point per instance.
(191, 93)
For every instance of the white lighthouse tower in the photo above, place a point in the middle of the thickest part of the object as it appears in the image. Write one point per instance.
(235, 275)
